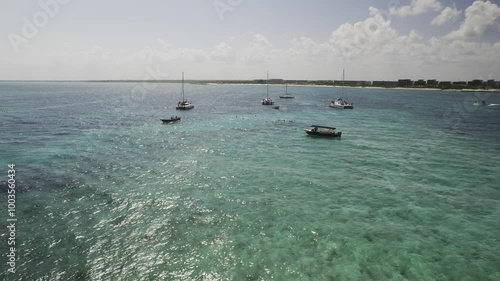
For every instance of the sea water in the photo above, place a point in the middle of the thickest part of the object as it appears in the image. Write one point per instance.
(237, 191)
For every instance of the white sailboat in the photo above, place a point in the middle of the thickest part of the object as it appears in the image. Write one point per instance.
(341, 103)
(183, 104)
(287, 95)
(267, 100)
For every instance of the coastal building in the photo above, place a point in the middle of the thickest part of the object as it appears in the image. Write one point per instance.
(324, 82)
(444, 84)
(475, 83)
(420, 83)
(298, 82)
(405, 83)
(385, 83)
(352, 83)
(432, 83)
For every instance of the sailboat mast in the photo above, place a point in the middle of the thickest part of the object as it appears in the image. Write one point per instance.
(267, 85)
(343, 77)
(182, 86)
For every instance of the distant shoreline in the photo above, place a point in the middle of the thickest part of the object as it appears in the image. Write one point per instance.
(303, 83)
(326, 86)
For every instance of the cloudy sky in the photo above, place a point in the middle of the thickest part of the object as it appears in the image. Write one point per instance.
(242, 39)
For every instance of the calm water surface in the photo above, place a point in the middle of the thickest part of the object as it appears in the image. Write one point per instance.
(237, 191)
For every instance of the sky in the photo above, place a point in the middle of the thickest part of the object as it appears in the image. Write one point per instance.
(243, 39)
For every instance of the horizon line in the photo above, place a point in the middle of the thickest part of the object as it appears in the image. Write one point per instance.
(256, 79)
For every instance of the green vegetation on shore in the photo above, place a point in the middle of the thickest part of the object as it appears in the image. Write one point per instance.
(477, 84)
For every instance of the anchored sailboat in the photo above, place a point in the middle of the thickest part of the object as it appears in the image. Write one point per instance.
(267, 100)
(340, 103)
(183, 104)
(287, 95)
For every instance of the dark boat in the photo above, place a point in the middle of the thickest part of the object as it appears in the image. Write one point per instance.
(171, 119)
(323, 131)
(482, 103)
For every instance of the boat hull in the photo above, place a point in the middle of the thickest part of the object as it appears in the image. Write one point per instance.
(287, 97)
(483, 103)
(182, 107)
(342, 106)
(323, 134)
(171, 120)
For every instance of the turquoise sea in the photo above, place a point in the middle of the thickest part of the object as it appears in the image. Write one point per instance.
(237, 191)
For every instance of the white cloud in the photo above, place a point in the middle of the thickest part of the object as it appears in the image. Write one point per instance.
(169, 54)
(98, 54)
(372, 34)
(447, 15)
(373, 49)
(261, 40)
(259, 50)
(479, 18)
(416, 7)
(163, 43)
(223, 52)
(306, 47)
(370, 49)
